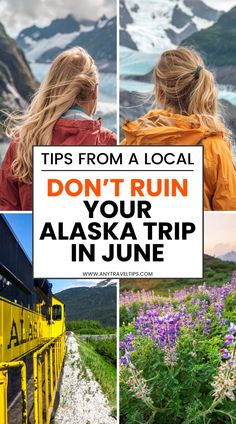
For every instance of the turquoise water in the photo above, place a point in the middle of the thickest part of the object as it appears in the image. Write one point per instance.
(3, 148)
(234, 153)
(136, 63)
(227, 93)
(135, 86)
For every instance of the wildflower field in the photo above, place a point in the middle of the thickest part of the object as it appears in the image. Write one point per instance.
(178, 356)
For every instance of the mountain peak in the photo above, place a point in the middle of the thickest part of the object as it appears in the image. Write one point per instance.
(17, 83)
(42, 45)
(64, 25)
(103, 18)
(229, 256)
(106, 283)
(69, 18)
(168, 24)
(212, 41)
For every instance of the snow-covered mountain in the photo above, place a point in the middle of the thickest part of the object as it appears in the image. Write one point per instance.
(230, 256)
(165, 23)
(42, 45)
(106, 283)
(145, 32)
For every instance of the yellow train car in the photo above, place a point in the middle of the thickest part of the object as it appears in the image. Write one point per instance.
(22, 330)
(32, 325)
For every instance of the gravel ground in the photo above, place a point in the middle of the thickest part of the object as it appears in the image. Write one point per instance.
(81, 397)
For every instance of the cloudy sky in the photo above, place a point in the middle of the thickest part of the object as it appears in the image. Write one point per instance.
(18, 14)
(222, 5)
(59, 285)
(220, 230)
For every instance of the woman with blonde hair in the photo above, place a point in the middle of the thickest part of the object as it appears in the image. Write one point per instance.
(187, 92)
(59, 114)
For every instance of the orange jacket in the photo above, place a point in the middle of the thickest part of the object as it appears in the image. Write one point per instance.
(165, 128)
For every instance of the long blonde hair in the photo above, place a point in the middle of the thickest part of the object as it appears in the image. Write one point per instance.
(184, 85)
(72, 78)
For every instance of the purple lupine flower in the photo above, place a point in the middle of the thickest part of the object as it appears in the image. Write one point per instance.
(161, 321)
(128, 346)
(229, 339)
(224, 353)
(232, 328)
(124, 360)
(122, 345)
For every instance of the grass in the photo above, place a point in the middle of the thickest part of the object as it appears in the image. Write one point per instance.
(216, 272)
(103, 372)
(87, 327)
(106, 348)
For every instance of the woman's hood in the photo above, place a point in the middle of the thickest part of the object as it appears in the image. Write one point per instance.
(86, 132)
(77, 132)
(163, 127)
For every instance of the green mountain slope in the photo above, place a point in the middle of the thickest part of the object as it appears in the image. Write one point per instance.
(90, 303)
(217, 43)
(216, 272)
(17, 83)
(13, 60)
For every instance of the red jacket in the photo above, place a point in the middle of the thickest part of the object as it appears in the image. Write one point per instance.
(17, 196)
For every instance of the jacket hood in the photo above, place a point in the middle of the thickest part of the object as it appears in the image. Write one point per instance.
(77, 132)
(162, 127)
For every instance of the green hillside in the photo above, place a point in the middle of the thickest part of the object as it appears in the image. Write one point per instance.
(17, 83)
(90, 303)
(217, 43)
(13, 63)
(216, 272)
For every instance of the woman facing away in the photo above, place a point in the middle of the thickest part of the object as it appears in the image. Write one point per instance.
(189, 116)
(59, 114)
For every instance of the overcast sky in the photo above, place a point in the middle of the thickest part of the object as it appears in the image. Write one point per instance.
(16, 15)
(19, 14)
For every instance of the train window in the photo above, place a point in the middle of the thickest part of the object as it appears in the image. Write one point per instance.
(56, 312)
(44, 309)
(45, 312)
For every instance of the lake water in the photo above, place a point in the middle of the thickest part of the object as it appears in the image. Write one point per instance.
(234, 153)
(3, 147)
(225, 92)
(137, 63)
